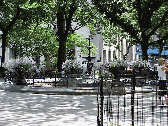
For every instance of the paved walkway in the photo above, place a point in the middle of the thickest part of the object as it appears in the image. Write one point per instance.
(32, 109)
(27, 109)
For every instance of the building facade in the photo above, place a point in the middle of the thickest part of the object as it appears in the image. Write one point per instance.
(125, 51)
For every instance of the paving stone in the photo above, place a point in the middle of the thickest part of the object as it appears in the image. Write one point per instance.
(27, 109)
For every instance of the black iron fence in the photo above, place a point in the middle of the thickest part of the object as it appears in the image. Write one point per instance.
(132, 101)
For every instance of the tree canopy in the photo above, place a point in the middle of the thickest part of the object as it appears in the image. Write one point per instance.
(23, 11)
(141, 19)
(40, 40)
(22, 20)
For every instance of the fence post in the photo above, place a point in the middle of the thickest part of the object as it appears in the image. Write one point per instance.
(132, 96)
(102, 98)
(55, 79)
(98, 119)
(33, 80)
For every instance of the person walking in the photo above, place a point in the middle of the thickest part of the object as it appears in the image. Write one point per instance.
(162, 79)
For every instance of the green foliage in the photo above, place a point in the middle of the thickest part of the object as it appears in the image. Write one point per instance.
(35, 41)
(19, 13)
(34, 32)
(54, 61)
(112, 34)
(79, 41)
(99, 24)
(140, 19)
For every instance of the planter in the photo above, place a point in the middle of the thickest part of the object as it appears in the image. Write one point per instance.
(117, 71)
(20, 79)
(139, 70)
(74, 71)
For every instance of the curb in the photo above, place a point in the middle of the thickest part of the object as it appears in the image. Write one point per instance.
(63, 91)
(53, 90)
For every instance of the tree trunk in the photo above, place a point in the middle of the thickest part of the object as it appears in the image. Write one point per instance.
(62, 37)
(144, 47)
(61, 54)
(63, 32)
(160, 47)
(48, 63)
(37, 60)
(3, 47)
(160, 50)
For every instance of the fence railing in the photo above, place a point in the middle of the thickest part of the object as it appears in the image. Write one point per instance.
(133, 101)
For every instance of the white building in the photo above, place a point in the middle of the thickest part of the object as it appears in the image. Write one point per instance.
(110, 53)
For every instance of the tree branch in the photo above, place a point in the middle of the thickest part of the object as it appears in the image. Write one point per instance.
(1, 27)
(77, 28)
(126, 26)
(72, 10)
(114, 18)
(139, 11)
(157, 26)
(13, 20)
(160, 40)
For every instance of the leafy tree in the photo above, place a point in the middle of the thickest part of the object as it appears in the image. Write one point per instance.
(67, 12)
(36, 41)
(11, 11)
(57, 13)
(99, 24)
(63, 13)
(141, 19)
(40, 40)
(114, 34)
(8, 18)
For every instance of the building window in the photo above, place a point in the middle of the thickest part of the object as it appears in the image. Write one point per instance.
(114, 55)
(109, 56)
(104, 56)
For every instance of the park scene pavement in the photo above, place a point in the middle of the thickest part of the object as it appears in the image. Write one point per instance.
(83, 62)
(27, 109)
(52, 109)
(33, 109)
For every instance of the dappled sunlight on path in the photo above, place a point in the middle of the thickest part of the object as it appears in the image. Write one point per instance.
(26, 109)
